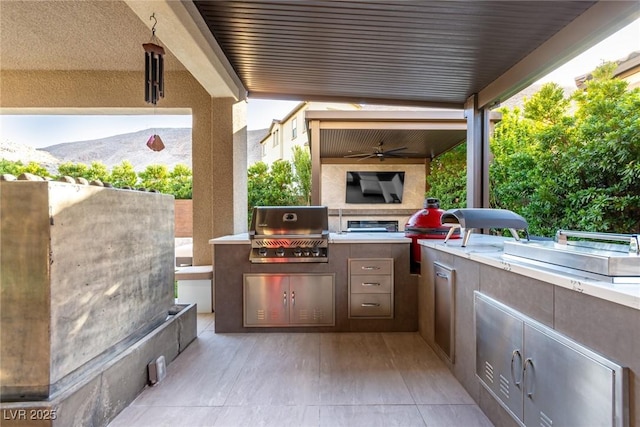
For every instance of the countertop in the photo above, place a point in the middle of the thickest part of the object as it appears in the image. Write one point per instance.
(489, 250)
(354, 237)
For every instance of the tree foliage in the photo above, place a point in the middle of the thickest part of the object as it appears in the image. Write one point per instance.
(302, 173)
(181, 182)
(448, 178)
(271, 186)
(156, 177)
(123, 175)
(17, 168)
(563, 169)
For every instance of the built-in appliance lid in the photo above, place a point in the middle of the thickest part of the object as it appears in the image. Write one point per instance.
(615, 262)
(289, 221)
(470, 218)
(484, 218)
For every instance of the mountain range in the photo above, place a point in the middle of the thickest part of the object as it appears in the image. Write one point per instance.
(113, 150)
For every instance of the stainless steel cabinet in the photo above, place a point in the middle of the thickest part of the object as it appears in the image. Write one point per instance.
(444, 321)
(543, 378)
(371, 288)
(272, 300)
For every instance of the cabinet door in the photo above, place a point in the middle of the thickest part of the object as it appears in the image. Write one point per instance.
(499, 353)
(266, 300)
(564, 387)
(444, 319)
(311, 299)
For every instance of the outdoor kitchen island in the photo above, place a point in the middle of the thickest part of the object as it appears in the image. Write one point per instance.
(531, 340)
(385, 255)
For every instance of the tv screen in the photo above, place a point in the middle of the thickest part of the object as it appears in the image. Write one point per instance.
(374, 187)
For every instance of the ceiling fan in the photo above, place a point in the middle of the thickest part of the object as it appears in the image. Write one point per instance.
(379, 153)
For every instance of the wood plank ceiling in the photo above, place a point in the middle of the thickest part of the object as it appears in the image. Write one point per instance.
(433, 53)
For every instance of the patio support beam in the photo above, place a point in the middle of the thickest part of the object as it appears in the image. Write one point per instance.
(478, 130)
(181, 29)
(316, 172)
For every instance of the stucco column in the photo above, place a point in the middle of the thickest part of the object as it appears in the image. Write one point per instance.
(219, 175)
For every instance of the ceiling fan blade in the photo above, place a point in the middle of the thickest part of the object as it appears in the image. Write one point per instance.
(368, 157)
(393, 150)
(357, 155)
(403, 154)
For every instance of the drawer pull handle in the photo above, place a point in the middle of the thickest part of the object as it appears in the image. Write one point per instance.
(444, 276)
(370, 267)
(370, 284)
(370, 304)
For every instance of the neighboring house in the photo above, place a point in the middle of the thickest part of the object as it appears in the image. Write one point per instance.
(290, 131)
(628, 70)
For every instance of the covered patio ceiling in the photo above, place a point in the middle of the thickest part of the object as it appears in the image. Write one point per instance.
(428, 53)
(423, 134)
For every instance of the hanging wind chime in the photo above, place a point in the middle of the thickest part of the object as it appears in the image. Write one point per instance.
(154, 78)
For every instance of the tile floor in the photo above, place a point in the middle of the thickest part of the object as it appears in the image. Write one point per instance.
(304, 379)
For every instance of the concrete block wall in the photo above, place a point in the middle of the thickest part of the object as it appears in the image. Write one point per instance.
(83, 269)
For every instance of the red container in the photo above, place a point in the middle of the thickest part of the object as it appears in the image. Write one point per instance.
(426, 224)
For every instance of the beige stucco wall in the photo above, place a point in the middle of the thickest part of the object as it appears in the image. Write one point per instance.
(217, 125)
(334, 184)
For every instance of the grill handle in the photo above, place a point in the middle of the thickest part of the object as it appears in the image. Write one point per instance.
(632, 239)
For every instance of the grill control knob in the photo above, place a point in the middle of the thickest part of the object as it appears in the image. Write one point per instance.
(315, 251)
(306, 252)
(297, 251)
(280, 251)
(262, 251)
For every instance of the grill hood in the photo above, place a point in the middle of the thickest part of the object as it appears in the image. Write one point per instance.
(289, 221)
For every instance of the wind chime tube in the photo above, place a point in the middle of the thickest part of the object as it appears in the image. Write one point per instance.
(154, 79)
(147, 71)
(161, 76)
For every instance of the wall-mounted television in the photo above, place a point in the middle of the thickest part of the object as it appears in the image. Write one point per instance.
(374, 187)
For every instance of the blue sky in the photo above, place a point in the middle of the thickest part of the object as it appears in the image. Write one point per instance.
(42, 131)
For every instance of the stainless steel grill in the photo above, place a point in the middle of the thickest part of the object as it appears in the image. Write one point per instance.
(288, 234)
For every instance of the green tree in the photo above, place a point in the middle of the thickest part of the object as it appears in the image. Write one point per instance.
(577, 171)
(525, 162)
(11, 167)
(123, 175)
(602, 172)
(447, 180)
(302, 173)
(181, 182)
(97, 171)
(74, 170)
(271, 186)
(17, 168)
(156, 177)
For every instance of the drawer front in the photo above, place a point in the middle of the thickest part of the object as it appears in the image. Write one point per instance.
(370, 284)
(371, 266)
(370, 305)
